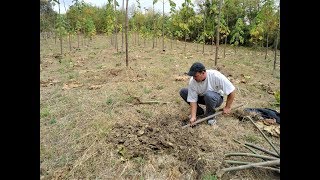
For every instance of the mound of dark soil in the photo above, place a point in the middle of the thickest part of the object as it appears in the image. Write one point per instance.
(164, 135)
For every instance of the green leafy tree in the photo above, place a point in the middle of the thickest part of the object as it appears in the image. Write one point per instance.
(47, 17)
(268, 18)
(218, 34)
(108, 20)
(126, 35)
(237, 34)
(115, 4)
(89, 28)
(154, 24)
(256, 34)
(186, 14)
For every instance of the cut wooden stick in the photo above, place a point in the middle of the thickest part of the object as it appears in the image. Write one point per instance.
(246, 146)
(263, 150)
(237, 162)
(269, 168)
(243, 163)
(251, 155)
(208, 117)
(264, 135)
(266, 163)
(138, 101)
(153, 102)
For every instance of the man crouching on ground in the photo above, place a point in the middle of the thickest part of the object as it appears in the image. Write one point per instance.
(207, 87)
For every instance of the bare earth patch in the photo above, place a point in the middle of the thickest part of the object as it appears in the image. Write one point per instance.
(162, 136)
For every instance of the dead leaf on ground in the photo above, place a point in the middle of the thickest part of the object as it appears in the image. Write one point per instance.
(266, 88)
(115, 72)
(48, 82)
(138, 79)
(269, 121)
(273, 129)
(92, 87)
(182, 78)
(71, 85)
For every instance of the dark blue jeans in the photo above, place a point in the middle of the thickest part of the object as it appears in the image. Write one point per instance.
(211, 99)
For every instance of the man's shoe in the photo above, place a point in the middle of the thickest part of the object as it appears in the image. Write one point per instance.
(212, 121)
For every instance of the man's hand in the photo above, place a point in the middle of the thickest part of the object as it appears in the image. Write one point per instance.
(226, 110)
(230, 98)
(192, 120)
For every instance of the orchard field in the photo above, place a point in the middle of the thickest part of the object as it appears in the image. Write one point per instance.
(101, 119)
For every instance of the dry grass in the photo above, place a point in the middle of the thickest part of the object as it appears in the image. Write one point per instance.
(87, 91)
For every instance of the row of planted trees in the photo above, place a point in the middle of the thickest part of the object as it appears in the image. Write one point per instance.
(239, 22)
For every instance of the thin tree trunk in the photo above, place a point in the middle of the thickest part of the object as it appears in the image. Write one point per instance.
(163, 25)
(185, 43)
(60, 34)
(55, 31)
(69, 41)
(204, 29)
(111, 39)
(225, 42)
(82, 41)
(235, 49)
(60, 43)
(275, 49)
(218, 33)
(203, 47)
(224, 48)
(153, 26)
(265, 57)
(116, 29)
(78, 34)
(126, 34)
(135, 38)
(123, 24)
(212, 44)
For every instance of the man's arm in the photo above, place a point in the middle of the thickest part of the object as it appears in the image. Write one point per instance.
(193, 112)
(230, 98)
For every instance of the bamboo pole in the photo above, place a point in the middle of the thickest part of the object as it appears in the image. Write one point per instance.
(251, 155)
(246, 146)
(266, 163)
(263, 150)
(264, 135)
(243, 163)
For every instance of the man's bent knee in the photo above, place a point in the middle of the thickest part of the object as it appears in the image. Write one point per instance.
(183, 92)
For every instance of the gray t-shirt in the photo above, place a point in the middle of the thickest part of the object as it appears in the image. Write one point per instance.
(215, 81)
